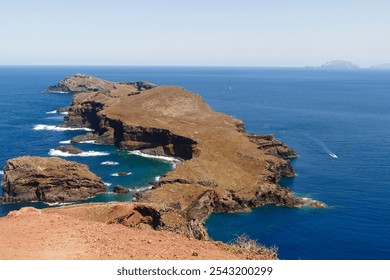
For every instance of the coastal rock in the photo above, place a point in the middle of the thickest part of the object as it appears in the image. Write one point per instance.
(271, 146)
(62, 110)
(48, 180)
(121, 190)
(81, 83)
(69, 149)
(223, 169)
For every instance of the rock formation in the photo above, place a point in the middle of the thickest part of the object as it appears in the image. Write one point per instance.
(224, 168)
(119, 189)
(48, 180)
(84, 83)
(69, 149)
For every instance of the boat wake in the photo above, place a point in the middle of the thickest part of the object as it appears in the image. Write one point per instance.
(322, 145)
(333, 155)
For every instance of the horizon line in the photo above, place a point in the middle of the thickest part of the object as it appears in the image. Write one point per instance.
(185, 66)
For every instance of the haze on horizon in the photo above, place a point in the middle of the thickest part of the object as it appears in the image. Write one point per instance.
(197, 33)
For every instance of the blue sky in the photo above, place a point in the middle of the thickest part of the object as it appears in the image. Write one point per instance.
(210, 33)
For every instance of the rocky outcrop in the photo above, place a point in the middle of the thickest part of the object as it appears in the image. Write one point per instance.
(69, 149)
(81, 83)
(271, 146)
(48, 180)
(223, 169)
(121, 190)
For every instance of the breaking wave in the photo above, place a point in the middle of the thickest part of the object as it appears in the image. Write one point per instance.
(171, 160)
(107, 184)
(65, 142)
(117, 174)
(109, 163)
(59, 203)
(58, 128)
(1, 172)
(143, 188)
(52, 112)
(57, 153)
(88, 142)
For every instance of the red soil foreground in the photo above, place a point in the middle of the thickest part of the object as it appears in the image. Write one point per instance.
(34, 234)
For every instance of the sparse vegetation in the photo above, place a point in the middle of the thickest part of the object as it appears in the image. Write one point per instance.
(250, 248)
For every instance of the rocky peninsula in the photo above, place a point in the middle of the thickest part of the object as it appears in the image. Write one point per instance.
(223, 168)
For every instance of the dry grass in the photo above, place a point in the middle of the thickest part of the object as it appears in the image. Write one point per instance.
(250, 249)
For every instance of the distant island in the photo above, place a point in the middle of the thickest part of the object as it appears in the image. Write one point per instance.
(336, 64)
(339, 64)
(381, 66)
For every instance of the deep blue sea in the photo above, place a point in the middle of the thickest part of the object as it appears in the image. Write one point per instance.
(316, 112)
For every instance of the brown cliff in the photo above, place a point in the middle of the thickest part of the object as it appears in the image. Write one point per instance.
(48, 180)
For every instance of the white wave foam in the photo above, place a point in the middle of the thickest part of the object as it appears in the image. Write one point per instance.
(107, 184)
(144, 188)
(171, 160)
(88, 142)
(117, 174)
(109, 163)
(59, 203)
(58, 128)
(57, 153)
(52, 112)
(1, 172)
(157, 178)
(65, 142)
(64, 113)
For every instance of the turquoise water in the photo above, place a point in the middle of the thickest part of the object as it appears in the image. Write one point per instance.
(316, 112)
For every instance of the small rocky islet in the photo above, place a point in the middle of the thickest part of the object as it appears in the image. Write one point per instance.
(222, 167)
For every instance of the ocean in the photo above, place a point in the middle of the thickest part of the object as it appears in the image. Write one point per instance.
(338, 121)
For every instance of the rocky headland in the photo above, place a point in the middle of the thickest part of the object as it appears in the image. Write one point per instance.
(223, 168)
(50, 180)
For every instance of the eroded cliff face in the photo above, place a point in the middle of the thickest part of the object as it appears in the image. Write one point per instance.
(224, 169)
(49, 180)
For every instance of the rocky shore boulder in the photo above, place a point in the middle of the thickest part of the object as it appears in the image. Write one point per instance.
(69, 149)
(48, 180)
(120, 190)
